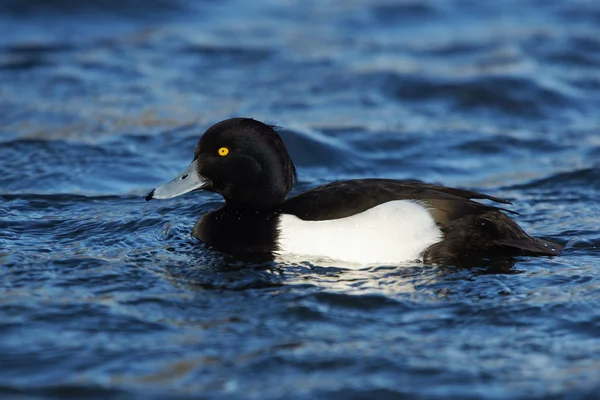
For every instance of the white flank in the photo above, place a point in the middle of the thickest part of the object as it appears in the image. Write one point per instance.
(392, 232)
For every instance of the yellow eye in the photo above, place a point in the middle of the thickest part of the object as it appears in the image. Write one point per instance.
(223, 151)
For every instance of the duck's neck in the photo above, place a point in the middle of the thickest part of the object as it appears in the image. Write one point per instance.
(238, 230)
(253, 203)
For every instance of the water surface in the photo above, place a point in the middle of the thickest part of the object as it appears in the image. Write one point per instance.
(105, 295)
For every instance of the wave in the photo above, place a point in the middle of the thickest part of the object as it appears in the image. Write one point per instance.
(583, 179)
(507, 95)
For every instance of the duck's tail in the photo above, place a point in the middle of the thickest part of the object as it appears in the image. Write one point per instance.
(533, 246)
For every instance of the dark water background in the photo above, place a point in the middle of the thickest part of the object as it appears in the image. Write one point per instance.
(105, 295)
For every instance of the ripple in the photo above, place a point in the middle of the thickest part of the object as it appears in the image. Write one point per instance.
(58, 167)
(510, 96)
(587, 177)
(577, 50)
(228, 53)
(130, 8)
(406, 12)
(309, 149)
(504, 144)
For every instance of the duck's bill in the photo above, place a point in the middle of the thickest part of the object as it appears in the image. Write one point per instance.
(188, 181)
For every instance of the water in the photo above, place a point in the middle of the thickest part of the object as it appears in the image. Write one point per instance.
(105, 295)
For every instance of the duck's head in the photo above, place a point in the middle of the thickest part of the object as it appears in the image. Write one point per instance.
(243, 160)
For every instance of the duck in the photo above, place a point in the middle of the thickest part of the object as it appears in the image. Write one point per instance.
(364, 221)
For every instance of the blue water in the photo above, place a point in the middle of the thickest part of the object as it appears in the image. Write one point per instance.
(105, 295)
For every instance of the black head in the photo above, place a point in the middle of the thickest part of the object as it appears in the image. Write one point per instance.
(243, 160)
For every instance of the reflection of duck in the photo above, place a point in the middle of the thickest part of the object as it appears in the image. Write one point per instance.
(364, 221)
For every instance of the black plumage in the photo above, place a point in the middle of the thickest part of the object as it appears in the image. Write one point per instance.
(258, 173)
